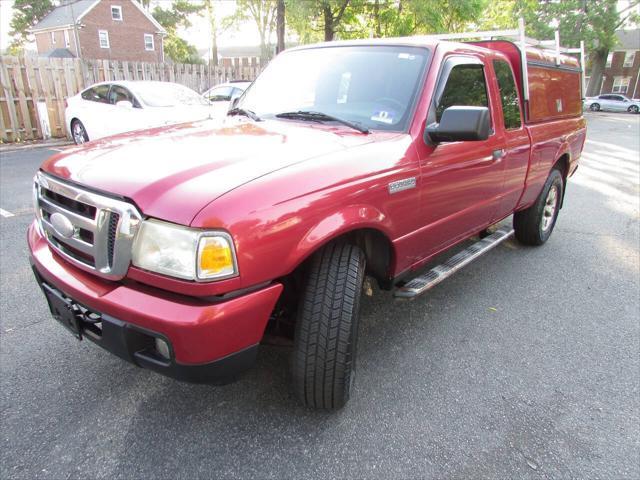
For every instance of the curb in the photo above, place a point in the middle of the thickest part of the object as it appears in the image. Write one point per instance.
(9, 147)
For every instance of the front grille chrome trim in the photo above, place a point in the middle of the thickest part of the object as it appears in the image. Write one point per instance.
(111, 254)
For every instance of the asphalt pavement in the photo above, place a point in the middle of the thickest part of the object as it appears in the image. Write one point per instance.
(526, 364)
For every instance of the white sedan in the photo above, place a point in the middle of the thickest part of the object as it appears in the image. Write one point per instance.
(222, 95)
(110, 108)
(613, 102)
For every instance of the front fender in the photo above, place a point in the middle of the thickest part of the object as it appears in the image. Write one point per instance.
(340, 222)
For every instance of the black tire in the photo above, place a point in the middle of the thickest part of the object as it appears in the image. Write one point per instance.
(78, 132)
(633, 109)
(534, 225)
(594, 107)
(324, 346)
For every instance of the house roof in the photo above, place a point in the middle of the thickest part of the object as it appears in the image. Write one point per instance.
(66, 14)
(59, 53)
(628, 39)
(72, 11)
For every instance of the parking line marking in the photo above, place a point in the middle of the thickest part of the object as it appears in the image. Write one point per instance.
(6, 214)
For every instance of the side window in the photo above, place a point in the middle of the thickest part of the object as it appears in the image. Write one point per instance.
(236, 93)
(508, 95)
(98, 94)
(465, 86)
(120, 94)
(222, 94)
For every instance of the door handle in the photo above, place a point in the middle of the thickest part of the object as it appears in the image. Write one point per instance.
(498, 154)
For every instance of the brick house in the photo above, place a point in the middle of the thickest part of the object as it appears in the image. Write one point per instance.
(100, 29)
(623, 65)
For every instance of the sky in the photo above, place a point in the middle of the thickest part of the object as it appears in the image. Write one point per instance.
(198, 34)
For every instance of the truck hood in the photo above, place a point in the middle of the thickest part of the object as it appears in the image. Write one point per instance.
(173, 172)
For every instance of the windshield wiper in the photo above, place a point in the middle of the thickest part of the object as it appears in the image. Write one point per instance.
(321, 117)
(245, 112)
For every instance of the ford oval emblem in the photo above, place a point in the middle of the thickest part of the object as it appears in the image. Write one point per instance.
(62, 225)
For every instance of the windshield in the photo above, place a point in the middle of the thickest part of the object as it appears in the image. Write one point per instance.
(168, 95)
(373, 86)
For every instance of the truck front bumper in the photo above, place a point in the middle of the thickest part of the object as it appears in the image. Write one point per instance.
(208, 341)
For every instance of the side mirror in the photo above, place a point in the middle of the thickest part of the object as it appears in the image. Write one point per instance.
(459, 124)
(234, 103)
(124, 104)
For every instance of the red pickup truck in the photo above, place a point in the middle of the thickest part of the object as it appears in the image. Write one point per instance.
(177, 247)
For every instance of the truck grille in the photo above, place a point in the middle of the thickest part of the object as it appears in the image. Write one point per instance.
(92, 231)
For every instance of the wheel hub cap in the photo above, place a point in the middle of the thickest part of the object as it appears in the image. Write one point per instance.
(549, 211)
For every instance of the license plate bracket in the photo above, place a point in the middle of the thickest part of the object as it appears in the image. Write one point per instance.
(64, 311)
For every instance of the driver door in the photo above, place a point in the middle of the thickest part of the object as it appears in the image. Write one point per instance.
(461, 181)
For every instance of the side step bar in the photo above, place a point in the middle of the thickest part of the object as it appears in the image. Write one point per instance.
(430, 279)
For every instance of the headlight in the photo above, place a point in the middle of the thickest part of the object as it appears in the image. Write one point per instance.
(184, 252)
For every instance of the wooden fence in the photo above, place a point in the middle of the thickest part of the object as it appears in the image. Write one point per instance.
(27, 81)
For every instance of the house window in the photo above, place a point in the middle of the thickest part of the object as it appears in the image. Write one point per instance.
(621, 84)
(67, 42)
(53, 38)
(148, 41)
(609, 60)
(629, 58)
(116, 12)
(103, 36)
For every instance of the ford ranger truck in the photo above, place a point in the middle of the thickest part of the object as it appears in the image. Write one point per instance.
(176, 247)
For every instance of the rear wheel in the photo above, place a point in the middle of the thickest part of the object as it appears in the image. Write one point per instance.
(633, 109)
(534, 225)
(78, 132)
(324, 351)
(595, 107)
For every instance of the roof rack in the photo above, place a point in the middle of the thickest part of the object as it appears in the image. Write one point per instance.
(522, 41)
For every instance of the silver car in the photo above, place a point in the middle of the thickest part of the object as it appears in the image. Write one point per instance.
(613, 102)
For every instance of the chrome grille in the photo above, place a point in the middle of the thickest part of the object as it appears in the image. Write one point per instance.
(103, 228)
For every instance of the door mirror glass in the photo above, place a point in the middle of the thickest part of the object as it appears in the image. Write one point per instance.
(234, 103)
(459, 124)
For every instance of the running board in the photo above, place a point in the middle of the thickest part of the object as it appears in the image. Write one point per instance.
(430, 279)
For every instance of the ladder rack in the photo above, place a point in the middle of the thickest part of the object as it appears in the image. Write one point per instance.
(522, 41)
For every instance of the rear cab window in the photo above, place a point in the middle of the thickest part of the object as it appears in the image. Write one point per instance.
(508, 95)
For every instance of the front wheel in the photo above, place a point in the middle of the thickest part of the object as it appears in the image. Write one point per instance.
(633, 109)
(324, 347)
(594, 107)
(78, 132)
(534, 225)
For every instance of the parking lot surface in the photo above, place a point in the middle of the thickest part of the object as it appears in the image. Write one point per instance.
(526, 364)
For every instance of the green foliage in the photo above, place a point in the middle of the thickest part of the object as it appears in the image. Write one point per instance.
(178, 15)
(26, 13)
(380, 18)
(262, 13)
(180, 51)
(176, 48)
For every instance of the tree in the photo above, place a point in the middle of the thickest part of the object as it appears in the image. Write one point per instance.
(211, 14)
(593, 21)
(263, 14)
(409, 17)
(26, 13)
(280, 27)
(176, 48)
(332, 14)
